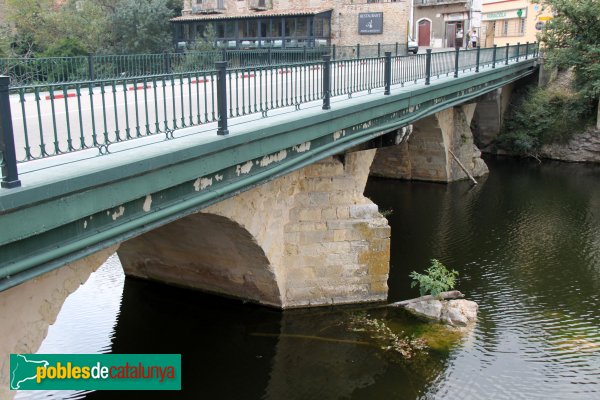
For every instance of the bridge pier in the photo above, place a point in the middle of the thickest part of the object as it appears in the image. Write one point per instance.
(427, 153)
(306, 239)
(27, 310)
(489, 116)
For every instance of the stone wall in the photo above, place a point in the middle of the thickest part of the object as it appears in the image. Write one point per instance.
(427, 153)
(583, 147)
(27, 310)
(344, 23)
(489, 116)
(308, 238)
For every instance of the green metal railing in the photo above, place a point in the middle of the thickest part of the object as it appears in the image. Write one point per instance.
(52, 70)
(40, 121)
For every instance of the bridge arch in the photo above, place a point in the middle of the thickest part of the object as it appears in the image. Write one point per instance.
(204, 251)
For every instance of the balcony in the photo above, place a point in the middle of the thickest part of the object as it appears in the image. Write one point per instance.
(429, 3)
(260, 5)
(208, 7)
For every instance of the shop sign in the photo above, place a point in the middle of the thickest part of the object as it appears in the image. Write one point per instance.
(508, 14)
(370, 23)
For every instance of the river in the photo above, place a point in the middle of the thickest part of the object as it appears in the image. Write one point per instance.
(526, 242)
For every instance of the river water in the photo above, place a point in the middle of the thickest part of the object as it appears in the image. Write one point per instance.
(526, 242)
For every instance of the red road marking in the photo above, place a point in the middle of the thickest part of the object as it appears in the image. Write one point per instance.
(198, 81)
(61, 96)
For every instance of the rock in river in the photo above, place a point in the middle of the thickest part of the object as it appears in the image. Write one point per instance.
(456, 312)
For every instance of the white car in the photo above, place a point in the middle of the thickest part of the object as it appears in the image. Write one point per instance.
(413, 46)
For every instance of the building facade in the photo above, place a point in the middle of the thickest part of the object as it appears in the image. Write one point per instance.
(440, 23)
(293, 23)
(512, 21)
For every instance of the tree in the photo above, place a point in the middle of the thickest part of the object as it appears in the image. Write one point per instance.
(572, 39)
(141, 26)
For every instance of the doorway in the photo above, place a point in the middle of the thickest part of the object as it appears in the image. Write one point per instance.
(424, 33)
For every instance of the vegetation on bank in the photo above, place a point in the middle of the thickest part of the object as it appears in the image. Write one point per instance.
(539, 116)
(80, 27)
(544, 115)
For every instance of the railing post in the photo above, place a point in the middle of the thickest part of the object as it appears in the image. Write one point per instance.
(478, 58)
(326, 82)
(224, 55)
(396, 49)
(358, 50)
(221, 67)
(526, 50)
(428, 67)
(507, 50)
(333, 51)
(388, 72)
(166, 62)
(304, 54)
(494, 56)
(270, 57)
(8, 156)
(456, 61)
(91, 67)
(518, 50)
(378, 50)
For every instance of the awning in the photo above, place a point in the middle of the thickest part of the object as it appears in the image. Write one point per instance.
(258, 14)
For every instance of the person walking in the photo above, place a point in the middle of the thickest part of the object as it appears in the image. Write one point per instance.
(459, 38)
(474, 39)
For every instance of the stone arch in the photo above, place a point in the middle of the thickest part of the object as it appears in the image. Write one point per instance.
(204, 251)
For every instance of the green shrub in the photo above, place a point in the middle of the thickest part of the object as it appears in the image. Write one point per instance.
(540, 116)
(437, 279)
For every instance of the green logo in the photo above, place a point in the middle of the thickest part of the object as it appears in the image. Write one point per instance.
(519, 13)
(95, 372)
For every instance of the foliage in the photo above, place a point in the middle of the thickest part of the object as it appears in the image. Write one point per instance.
(141, 26)
(572, 39)
(384, 337)
(66, 47)
(100, 26)
(437, 279)
(540, 116)
(200, 55)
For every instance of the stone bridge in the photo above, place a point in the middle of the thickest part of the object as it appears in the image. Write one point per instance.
(273, 213)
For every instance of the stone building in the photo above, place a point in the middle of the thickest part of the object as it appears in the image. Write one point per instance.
(294, 23)
(437, 22)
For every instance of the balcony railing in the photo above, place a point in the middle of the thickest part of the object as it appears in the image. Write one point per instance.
(208, 7)
(424, 3)
(260, 4)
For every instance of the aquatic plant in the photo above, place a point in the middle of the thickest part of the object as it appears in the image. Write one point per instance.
(384, 337)
(436, 280)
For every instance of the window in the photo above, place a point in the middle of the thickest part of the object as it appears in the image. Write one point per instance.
(252, 28)
(302, 27)
(290, 27)
(522, 28)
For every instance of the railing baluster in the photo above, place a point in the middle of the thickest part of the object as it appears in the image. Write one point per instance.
(456, 61)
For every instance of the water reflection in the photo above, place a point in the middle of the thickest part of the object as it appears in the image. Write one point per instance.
(85, 323)
(526, 242)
